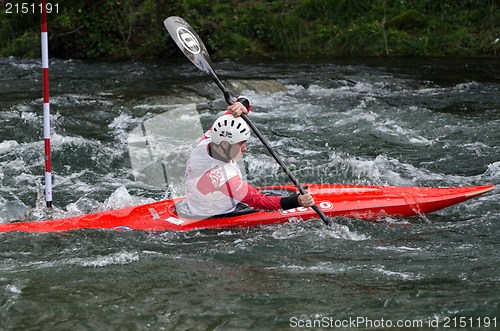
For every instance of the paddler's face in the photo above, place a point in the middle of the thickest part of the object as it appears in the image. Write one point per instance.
(237, 150)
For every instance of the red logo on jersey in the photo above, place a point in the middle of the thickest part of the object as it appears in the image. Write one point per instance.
(216, 176)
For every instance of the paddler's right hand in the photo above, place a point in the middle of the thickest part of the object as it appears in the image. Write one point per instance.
(241, 106)
(306, 200)
(236, 109)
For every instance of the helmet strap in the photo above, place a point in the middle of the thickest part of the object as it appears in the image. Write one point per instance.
(227, 151)
(225, 157)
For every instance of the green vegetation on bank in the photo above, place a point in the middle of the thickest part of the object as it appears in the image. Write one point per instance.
(91, 29)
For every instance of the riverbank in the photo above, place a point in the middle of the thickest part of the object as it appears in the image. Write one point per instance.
(230, 28)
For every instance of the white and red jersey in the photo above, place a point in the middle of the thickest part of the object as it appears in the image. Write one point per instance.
(214, 187)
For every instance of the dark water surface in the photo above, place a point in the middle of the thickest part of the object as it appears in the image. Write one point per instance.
(398, 122)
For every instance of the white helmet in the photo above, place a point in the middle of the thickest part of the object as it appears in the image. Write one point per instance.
(230, 129)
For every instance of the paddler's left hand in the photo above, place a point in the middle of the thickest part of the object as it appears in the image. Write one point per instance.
(236, 109)
(306, 200)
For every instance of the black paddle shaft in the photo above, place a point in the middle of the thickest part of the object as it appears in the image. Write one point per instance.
(193, 48)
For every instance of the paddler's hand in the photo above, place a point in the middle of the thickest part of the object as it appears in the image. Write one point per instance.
(236, 109)
(306, 200)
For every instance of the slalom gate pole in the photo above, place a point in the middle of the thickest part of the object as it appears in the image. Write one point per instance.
(46, 105)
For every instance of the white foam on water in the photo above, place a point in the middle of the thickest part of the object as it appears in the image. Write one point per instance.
(340, 231)
(261, 165)
(24, 64)
(59, 140)
(8, 146)
(396, 274)
(401, 249)
(394, 129)
(12, 210)
(342, 91)
(153, 107)
(82, 206)
(356, 115)
(305, 152)
(75, 180)
(379, 171)
(429, 91)
(121, 198)
(122, 125)
(492, 174)
(467, 87)
(295, 228)
(15, 290)
(321, 267)
(72, 99)
(98, 261)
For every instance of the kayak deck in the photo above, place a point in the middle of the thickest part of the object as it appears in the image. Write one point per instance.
(361, 202)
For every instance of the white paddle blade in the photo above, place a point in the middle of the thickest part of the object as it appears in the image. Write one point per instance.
(189, 42)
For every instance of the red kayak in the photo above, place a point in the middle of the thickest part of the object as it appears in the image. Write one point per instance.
(362, 202)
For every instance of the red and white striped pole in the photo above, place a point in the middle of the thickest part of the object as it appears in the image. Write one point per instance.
(46, 105)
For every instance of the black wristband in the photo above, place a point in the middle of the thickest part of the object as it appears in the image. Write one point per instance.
(290, 202)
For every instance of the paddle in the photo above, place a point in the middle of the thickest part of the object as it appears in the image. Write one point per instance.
(194, 49)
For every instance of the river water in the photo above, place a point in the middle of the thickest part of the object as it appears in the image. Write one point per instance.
(403, 122)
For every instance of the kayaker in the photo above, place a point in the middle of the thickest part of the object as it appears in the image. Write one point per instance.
(213, 179)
